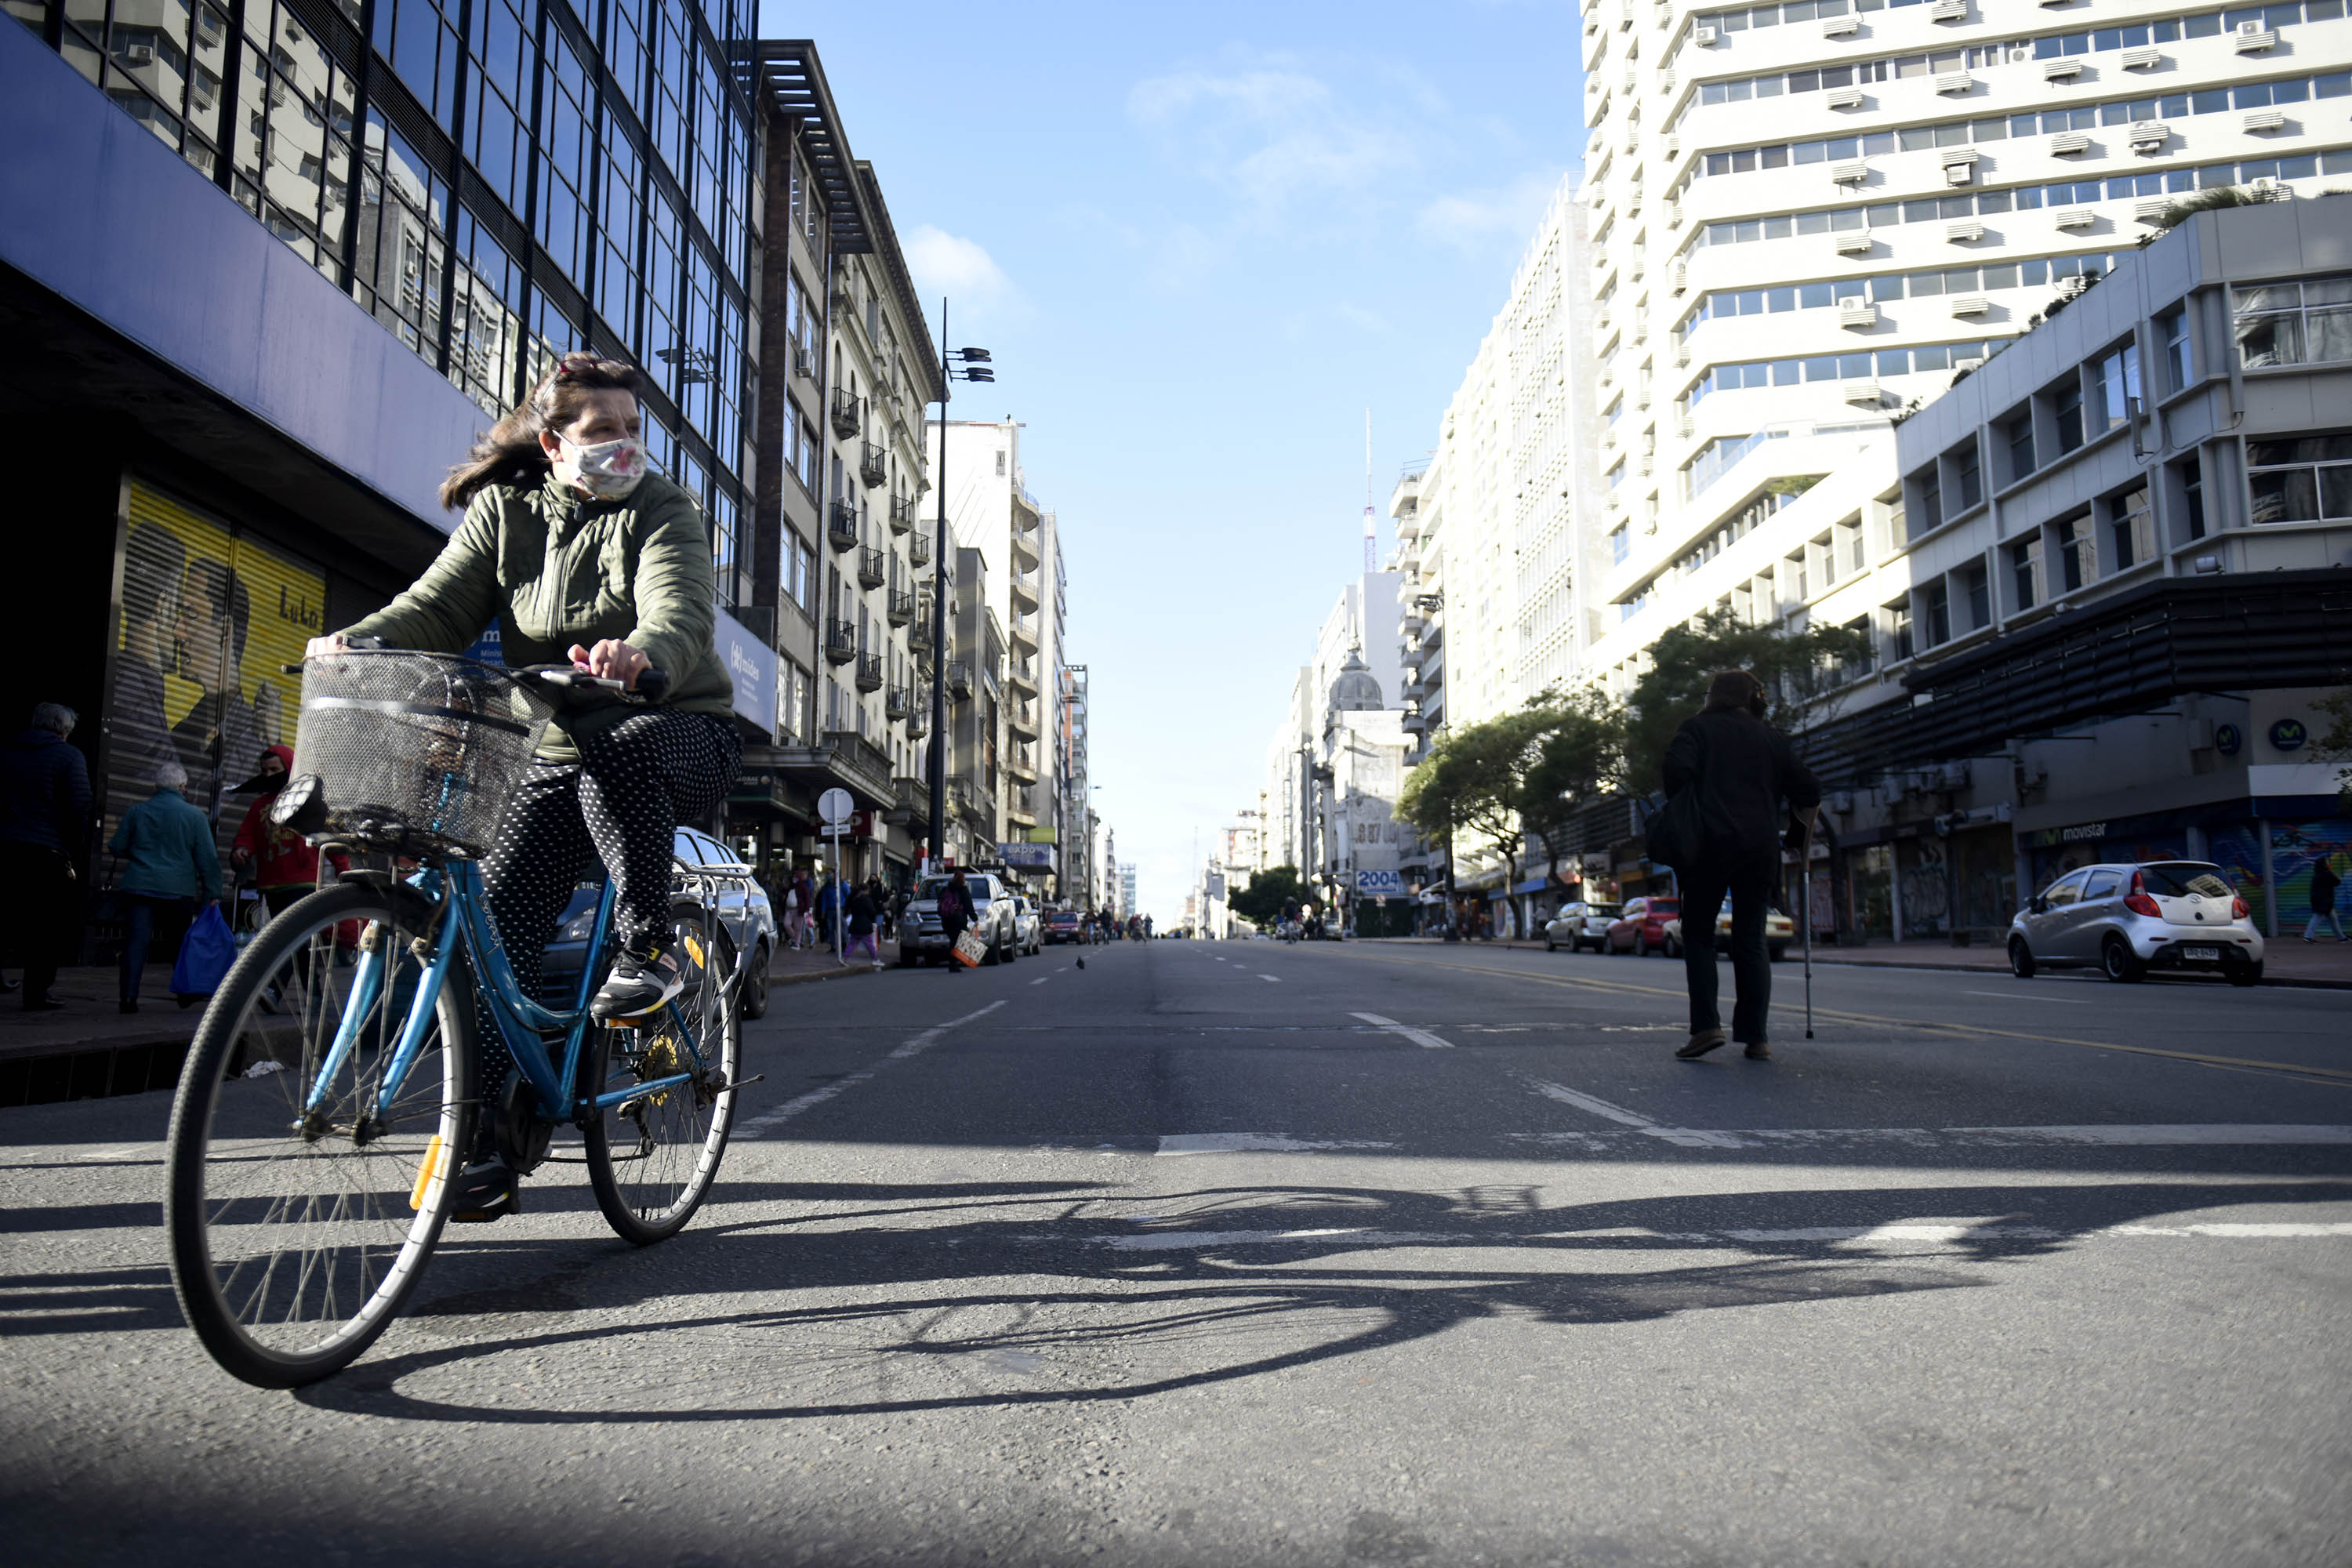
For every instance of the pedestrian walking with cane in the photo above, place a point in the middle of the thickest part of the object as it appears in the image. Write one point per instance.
(1728, 774)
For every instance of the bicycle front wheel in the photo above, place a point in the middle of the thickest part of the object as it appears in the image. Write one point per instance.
(307, 1165)
(653, 1156)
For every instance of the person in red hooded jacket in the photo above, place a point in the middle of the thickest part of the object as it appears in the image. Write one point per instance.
(284, 866)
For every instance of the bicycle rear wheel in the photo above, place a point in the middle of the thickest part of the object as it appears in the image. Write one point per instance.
(301, 1205)
(653, 1157)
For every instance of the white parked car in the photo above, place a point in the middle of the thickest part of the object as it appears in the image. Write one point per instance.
(1579, 926)
(2127, 920)
(1028, 925)
(921, 935)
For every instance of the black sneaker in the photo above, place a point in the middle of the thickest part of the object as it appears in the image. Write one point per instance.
(640, 982)
(486, 1192)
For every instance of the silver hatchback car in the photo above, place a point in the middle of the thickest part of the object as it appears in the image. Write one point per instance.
(1579, 926)
(2127, 920)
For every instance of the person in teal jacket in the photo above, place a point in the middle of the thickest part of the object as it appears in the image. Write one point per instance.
(170, 871)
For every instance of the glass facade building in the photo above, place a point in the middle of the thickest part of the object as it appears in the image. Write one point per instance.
(494, 181)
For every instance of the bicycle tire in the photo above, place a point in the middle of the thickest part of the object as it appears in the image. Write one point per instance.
(232, 1219)
(691, 1121)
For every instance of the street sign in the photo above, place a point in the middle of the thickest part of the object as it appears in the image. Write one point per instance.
(835, 806)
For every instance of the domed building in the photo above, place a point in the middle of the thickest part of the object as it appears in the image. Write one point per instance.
(1355, 689)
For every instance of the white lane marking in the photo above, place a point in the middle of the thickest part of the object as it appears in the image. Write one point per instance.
(757, 1126)
(1420, 1037)
(1276, 978)
(1041, 980)
(2186, 1132)
(1863, 1235)
(1260, 1142)
(1600, 1108)
(2013, 996)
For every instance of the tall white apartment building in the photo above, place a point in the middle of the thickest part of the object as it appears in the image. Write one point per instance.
(1804, 218)
(1488, 549)
(990, 509)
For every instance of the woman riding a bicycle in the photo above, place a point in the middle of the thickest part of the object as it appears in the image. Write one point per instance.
(576, 553)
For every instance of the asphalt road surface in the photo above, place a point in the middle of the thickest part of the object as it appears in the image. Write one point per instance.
(1240, 1254)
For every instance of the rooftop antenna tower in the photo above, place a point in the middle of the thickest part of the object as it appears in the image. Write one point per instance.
(1371, 543)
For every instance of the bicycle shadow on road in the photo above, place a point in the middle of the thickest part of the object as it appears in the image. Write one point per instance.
(1103, 1309)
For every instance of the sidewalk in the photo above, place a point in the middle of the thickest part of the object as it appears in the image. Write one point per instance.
(2325, 965)
(88, 1049)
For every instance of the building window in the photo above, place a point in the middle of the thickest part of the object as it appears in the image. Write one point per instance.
(1928, 514)
(2131, 525)
(1000, 465)
(2192, 495)
(2174, 329)
(1967, 474)
(2025, 567)
(1899, 630)
(2066, 413)
(1854, 545)
(2301, 322)
(2119, 382)
(1617, 544)
(1939, 614)
(2077, 565)
(2020, 432)
(1979, 591)
(2301, 480)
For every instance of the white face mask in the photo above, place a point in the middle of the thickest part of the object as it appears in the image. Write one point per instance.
(607, 470)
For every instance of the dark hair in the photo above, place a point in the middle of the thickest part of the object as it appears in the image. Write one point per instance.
(224, 591)
(1735, 691)
(510, 453)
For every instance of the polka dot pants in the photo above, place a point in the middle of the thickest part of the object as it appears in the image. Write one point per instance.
(618, 808)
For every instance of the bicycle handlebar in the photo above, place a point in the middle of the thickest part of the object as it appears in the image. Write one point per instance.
(651, 684)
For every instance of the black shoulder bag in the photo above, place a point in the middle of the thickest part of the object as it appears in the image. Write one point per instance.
(1676, 830)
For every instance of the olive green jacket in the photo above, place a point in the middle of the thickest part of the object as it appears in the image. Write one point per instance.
(555, 569)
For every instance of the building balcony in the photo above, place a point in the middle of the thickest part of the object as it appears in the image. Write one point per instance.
(968, 800)
(913, 796)
(1025, 634)
(873, 567)
(918, 549)
(1021, 806)
(898, 702)
(841, 525)
(869, 672)
(918, 718)
(959, 678)
(1025, 588)
(919, 636)
(871, 467)
(1025, 675)
(848, 417)
(902, 513)
(902, 607)
(1021, 763)
(840, 641)
(1021, 717)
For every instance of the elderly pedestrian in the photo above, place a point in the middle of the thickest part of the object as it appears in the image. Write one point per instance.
(1743, 771)
(170, 871)
(45, 805)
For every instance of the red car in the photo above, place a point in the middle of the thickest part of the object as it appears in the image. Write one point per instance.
(1640, 930)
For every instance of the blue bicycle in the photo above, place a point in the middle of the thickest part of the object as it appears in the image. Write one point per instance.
(332, 1089)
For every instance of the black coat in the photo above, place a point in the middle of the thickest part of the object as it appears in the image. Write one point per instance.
(1743, 770)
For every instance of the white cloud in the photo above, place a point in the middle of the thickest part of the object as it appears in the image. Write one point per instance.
(1478, 220)
(962, 269)
(1277, 135)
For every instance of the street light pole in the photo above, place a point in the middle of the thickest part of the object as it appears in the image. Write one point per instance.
(966, 365)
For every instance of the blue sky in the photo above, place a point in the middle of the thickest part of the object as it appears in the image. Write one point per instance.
(1201, 240)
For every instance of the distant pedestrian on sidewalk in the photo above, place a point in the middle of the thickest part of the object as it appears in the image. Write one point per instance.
(284, 866)
(2324, 880)
(1743, 770)
(170, 870)
(45, 804)
(862, 918)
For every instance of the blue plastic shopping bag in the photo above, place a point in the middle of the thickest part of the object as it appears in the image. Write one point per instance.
(205, 954)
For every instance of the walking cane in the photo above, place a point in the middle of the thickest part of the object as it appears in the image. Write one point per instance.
(1805, 898)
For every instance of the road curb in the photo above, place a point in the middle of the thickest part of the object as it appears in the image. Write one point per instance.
(2287, 982)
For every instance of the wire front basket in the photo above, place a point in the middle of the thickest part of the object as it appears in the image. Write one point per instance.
(416, 753)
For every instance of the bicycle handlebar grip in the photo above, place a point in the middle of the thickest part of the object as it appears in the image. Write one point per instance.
(653, 684)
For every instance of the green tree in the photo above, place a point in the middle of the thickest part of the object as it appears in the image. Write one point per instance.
(1579, 757)
(1475, 778)
(1800, 669)
(1261, 903)
(2336, 745)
